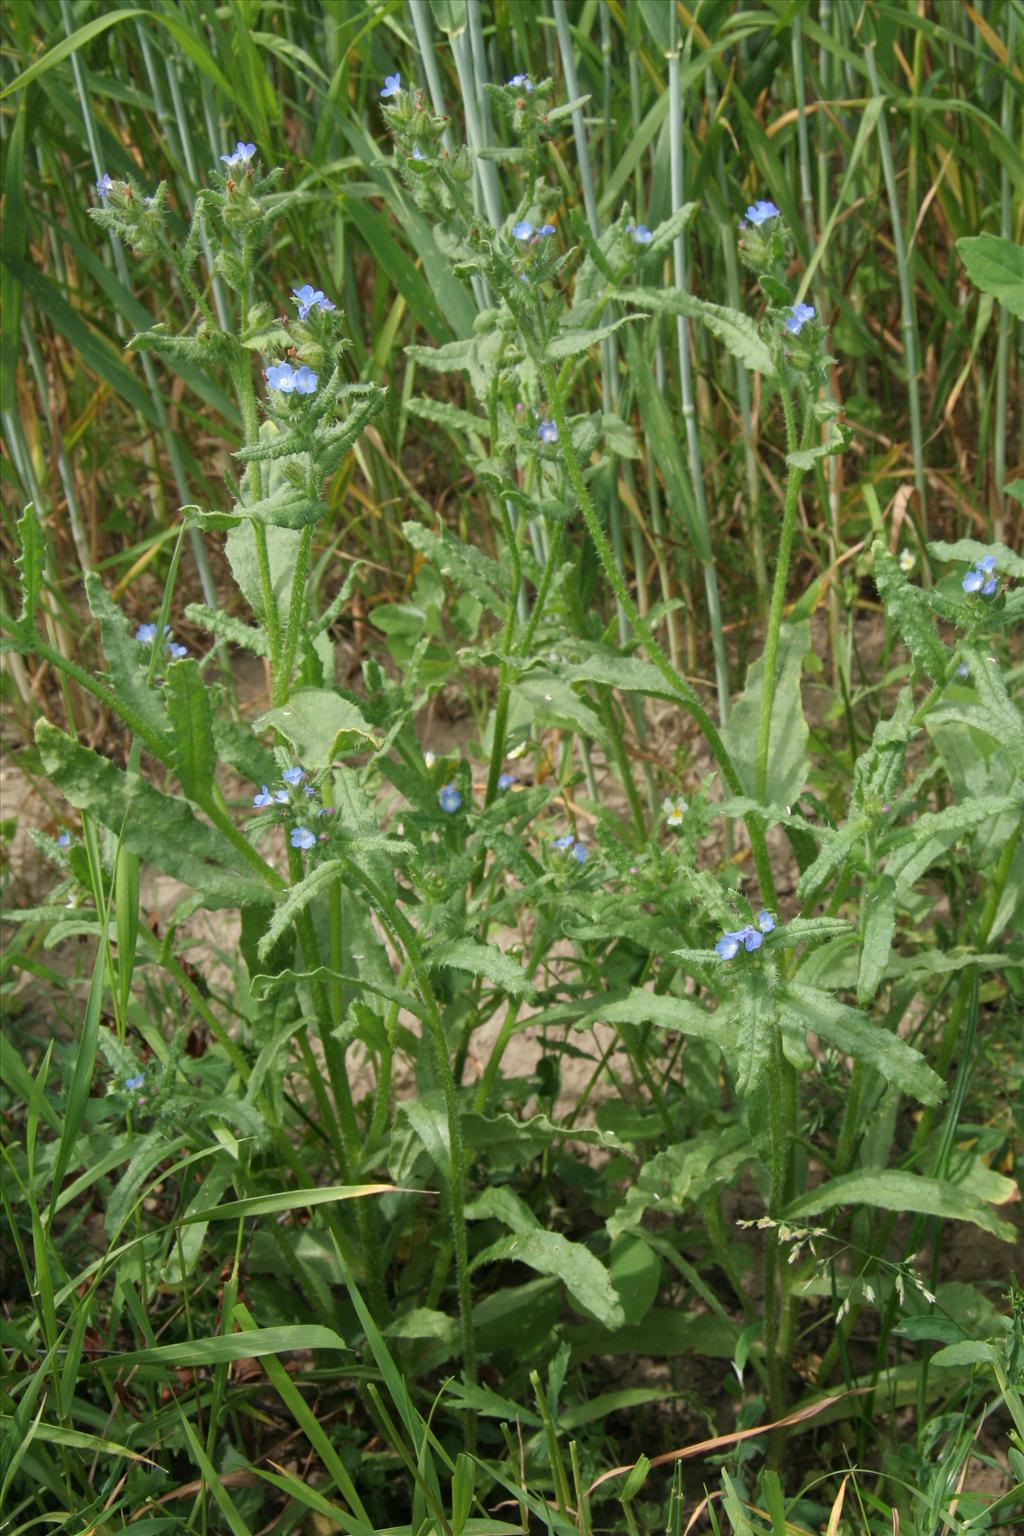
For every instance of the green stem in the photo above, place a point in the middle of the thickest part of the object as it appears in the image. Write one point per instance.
(687, 699)
(281, 682)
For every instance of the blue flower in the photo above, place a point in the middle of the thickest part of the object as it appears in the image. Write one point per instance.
(579, 853)
(417, 153)
(547, 431)
(506, 780)
(766, 922)
(308, 297)
(545, 230)
(392, 85)
(63, 838)
(242, 154)
(281, 376)
(264, 798)
(642, 235)
(305, 380)
(728, 945)
(760, 212)
(105, 185)
(294, 775)
(980, 578)
(521, 82)
(562, 843)
(963, 670)
(449, 799)
(146, 634)
(523, 230)
(134, 1082)
(176, 650)
(302, 837)
(798, 318)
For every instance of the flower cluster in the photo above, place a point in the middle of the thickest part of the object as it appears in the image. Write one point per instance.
(521, 83)
(146, 634)
(751, 937)
(525, 231)
(798, 317)
(240, 155)
(291, 381)
(570, 841)
(980, 578)
(307, 297)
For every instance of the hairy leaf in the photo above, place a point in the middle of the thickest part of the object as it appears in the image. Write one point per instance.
(891, 1189)
(191, 717)
(855, 1035)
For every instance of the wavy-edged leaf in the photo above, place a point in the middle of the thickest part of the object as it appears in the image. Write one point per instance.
(485, 960)
(319, 725)
(468, 567)
(737, 332)
(162, 829)
(30, 563)
(191, 717)
(996, 266)
(125, 657)
(571, 342)
(581, 1272)
(666, 1012)
(878, 924)
(910, 609)
(970, 551)
(853, 1033)
(890, 1189)
(225, 627)
(297, 899)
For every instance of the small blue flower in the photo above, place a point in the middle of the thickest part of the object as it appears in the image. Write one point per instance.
(642, 235)
(105, 185)
(521, 82)
(307, 297)
(547, 431)
(562, 843)
(766, 922)
(134, 1082)
(798, 318)
(146, 634)
(963, 670)
(281, 376)
(579, 853)
(506, 780)
(760, 212)
(241, 155)
(980, 579)
(728, 945)
(305, 381)
(545, 230)
(751, 938)
(449, 799)
(392, 85)
(417, 153)
(176, 650)
(63, 838)
(302, 837)
(294, 775)
(263, 798)
(523, 230)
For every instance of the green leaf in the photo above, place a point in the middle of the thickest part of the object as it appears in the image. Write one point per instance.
(681, 1177)
(627, 673)
(890, 1189)
(188, 706)
(549, 1253)
(468, 567)
(225, 627)
(787, 750)
(286, 1200)
(996, 266)
(30, 563)
(878, 924)
(320, 725)
(125, 657)
(223, 1348)
(855, 1035)
(485, 960)
(966, 1352)
(666, 1012)
(161, 829)
(737, 332)
(297, 899)
(635, 1271)
(911, 612)
(806, 458)
(552, 702)
(450, 416)
(286, 507)
(570, 342)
